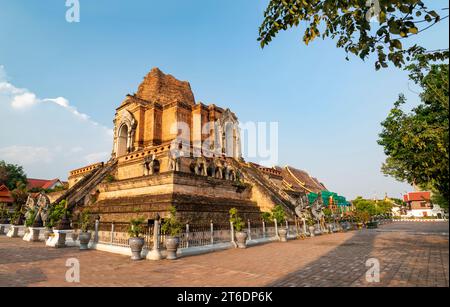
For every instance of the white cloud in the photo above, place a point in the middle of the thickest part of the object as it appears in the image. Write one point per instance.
(49, 136)
(26, 155)
(24, 100)
(61, 101)
(9, 89)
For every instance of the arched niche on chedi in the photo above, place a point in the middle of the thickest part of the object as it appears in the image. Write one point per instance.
(228, 135)
(124, 131)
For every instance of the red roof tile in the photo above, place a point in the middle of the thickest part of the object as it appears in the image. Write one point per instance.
(41, 183)
(5, 195)
(417, 196)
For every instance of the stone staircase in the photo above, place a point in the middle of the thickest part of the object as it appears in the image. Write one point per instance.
(255, 176)
(76, 194)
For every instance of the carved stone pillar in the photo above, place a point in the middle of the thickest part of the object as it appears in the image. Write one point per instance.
(129, 142)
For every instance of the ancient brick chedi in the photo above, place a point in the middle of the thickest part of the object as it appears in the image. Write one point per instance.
(165, 89)
(169, 150)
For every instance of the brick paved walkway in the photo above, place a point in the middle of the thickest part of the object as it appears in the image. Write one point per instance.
(410, 254)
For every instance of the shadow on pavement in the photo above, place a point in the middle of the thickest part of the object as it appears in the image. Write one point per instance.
(339, 267)
(408, 255)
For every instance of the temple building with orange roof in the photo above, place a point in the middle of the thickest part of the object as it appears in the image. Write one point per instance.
(6, 198)
(44, 184)
(420, 205)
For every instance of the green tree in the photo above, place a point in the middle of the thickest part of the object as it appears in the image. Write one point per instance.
(372, 207)
(398, 201)
(278, 214)
(438, 199)
(171, 225)
(11, 175)
(20, 196)
(362, 216)
(417, 143)
(365, 205)
(383, 207)
(349, 22)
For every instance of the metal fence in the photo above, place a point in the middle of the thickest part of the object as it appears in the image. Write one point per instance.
(115, 233)
(293, 228)
(221, 233)
(112, 233)
(256, 230)
(193, 235)
(270, 229)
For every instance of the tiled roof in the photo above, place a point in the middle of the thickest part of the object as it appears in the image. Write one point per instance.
(299, 180)
(290, 181)
(5, 195)
(295, 179)
(41, 183)
(304, 179)
(417, 196)
(319, 183)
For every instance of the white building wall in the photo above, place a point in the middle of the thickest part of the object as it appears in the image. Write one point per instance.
(428, 212)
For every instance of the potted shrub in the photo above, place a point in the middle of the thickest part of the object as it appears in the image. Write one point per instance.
(266, 217)
(311, 223)
(279, 215)
(4, 219)
(17, 217)
(238, 225)
(29, 220)
(48, 229)
(85, 227)
(136, 241)
(172, 228)
(30, 216)
(55, 214)
(4, 216)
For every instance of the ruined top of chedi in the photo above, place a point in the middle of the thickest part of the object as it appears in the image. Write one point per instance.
(164, 89)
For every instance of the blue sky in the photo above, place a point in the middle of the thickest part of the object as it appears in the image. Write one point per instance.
(328, 109)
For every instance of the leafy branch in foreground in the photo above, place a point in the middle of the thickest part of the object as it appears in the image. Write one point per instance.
(352, 23)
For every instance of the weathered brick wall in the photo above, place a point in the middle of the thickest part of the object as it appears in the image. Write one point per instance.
(197, 198)
(162, 88)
